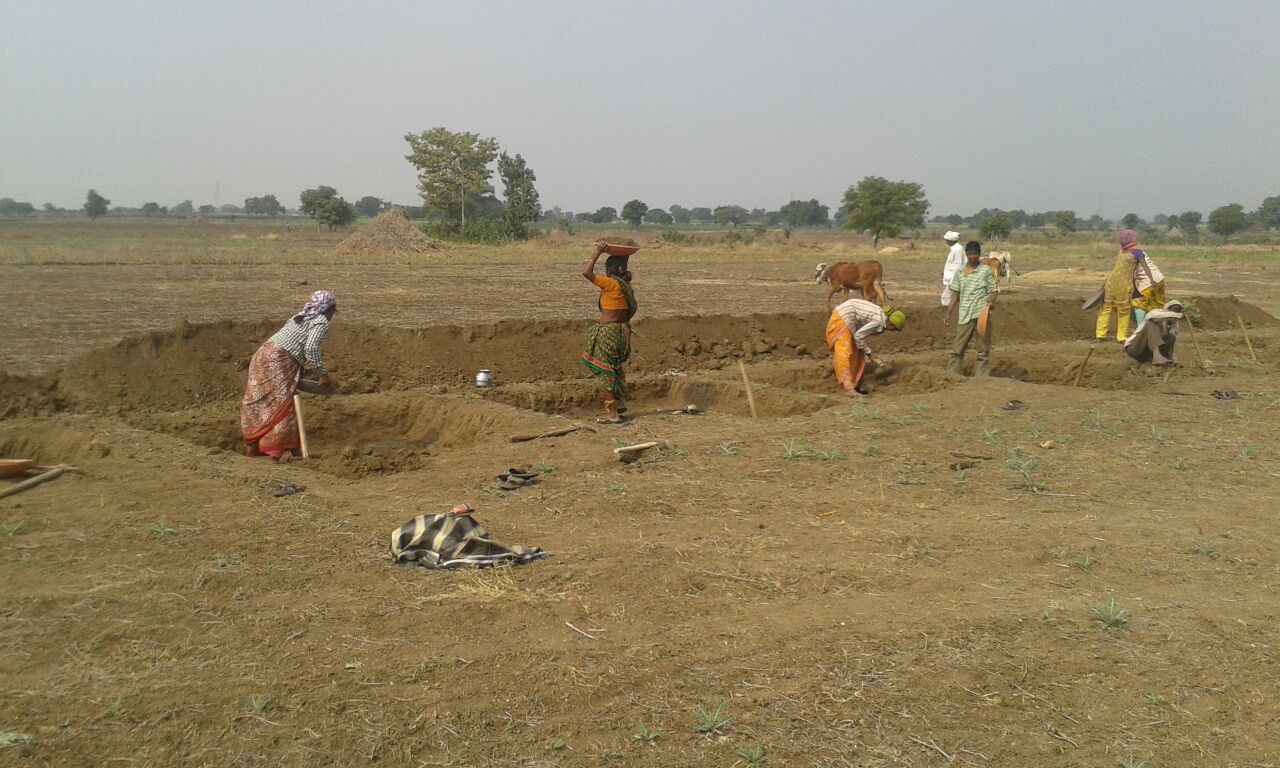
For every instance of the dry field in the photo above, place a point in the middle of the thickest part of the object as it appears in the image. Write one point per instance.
(815, 587)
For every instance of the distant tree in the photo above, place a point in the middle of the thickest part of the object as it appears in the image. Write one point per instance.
(1228, 220)
(804, 213)
(184, 208)
(1065, 221)
(369, 206)
(453, 168)
(997, 226)
(207, 210)
(1268, 214)
(152, 209)
(588, 218)
(1190, 221)
(1037, 220)
(701, 214)
(328, 209)
(1097, 223)
(230, 208)
(954, 219)
(773, 218)
(633, 212)
(488, 207)
(730, 214)
(95, 205)
(1160, 219)
(1131, 220)
(658, 216)
(606, 214)
(1018, 218)
(884, 208)
(680, 214)
(522, 205)
(11, 207)
(1172, 222)
(757, 214)
(51, 208)
(267, 205)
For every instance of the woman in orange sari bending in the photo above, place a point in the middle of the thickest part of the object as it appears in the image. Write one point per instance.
(609, 341)
(267, 418)
(850, 325)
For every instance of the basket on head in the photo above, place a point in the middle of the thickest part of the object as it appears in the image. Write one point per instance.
(621, 249)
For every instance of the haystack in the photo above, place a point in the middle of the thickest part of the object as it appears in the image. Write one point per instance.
(390, 234)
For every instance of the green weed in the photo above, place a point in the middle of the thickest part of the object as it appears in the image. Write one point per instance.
(962, 476)
(728, 448)
(646, 736)
(799, 449)
(543, 468)
(615, 487)
(556, 745)
(904, 477)
(993, 436)
(1208, 548)
(228, 561)
(754, 757)
(162, 531)
(14, 738)
(13, 527)
(1249, 452)
(1131, 762)
(710, 723)
(1179, 464)
(1110, 616)
(257, 705)
(1085, 562)
(1025, 469)
(678, 451)
(1158, 436)
(1098, 422)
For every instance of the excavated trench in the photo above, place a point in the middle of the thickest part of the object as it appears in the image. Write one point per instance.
(407, 393)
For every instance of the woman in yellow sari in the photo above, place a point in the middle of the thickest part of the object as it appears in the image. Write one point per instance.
(1119, 289)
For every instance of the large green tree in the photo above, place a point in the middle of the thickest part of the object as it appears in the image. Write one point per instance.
(804, 213)
(633, 212)
(680, 214)
(996, 226)
(523, 207)
(1228, 220)
(701, 214)
(370, 206)
(1066, 221)
(730, 214)
(1269, 213)
(1189, 221)
(658, 216)
(153, 209)
(95, 205)
(1131, 220)
(884, 208)
(11, 207)
(325, 206)
(267, 205)
(453, 168)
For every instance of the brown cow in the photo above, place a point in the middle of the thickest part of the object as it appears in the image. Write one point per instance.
(865, 276)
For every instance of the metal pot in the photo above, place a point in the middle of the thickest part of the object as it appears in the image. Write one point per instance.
(484, 378)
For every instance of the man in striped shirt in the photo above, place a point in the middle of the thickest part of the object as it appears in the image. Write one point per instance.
(973, 294)
(850, 325)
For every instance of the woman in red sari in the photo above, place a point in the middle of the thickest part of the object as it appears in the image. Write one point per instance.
(267, 418)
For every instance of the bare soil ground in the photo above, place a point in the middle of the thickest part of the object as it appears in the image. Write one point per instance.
(822, 573)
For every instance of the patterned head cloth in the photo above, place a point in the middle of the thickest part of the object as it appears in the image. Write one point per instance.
(1128, 238)
(321, 302)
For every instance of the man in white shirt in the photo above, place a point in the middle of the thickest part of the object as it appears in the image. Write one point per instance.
(955, 260)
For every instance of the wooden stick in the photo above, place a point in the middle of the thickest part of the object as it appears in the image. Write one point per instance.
(1245, 333)
(43, 477)
(551, 433)
(302, 428)
(746, 382)
(1191, 327)
(1080, 375)
(636, 447)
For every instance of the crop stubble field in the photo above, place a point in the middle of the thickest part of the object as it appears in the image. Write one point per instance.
(821, 572)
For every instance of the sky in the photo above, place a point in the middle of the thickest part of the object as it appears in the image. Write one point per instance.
(1099, 107)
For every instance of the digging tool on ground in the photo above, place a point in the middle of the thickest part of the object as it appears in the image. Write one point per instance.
(1191, 328)
(550, 433)
(746, 382)
(1245, 333)
(50, 473)
(1080, 375)
(302, 428)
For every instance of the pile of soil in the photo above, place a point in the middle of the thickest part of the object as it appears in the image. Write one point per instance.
(390, 234)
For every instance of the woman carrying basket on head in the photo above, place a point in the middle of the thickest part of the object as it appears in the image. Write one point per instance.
(609, 341)
(267, 418)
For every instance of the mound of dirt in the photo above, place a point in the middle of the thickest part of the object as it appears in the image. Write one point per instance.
(390, 234)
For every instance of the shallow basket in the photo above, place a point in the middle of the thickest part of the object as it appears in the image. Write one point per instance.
(15, 467)
(613, 249)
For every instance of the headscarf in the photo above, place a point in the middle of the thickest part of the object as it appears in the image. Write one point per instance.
(896, 318)
(1128, 239)
(321, 301)
(951, 236)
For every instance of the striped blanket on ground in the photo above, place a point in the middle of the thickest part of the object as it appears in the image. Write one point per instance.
(454, 539)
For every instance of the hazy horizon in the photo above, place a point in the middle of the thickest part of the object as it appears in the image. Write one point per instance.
(1150, 108)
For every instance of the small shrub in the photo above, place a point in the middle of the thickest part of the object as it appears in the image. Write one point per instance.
(647, 736)
(710, 723)
(1109, 616)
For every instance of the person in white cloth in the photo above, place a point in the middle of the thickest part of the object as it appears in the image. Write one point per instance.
(955, 260)
(1154, 339)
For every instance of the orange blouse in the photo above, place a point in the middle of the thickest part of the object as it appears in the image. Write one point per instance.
(611, 295)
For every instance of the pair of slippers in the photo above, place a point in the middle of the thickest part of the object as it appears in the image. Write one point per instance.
(515, 478)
